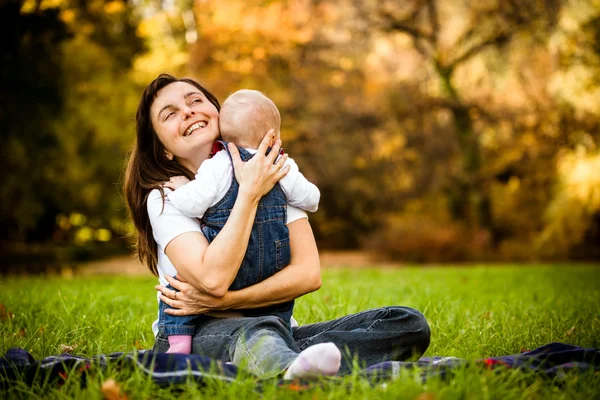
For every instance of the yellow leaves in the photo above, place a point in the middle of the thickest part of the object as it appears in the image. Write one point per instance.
(103, 235)
(274, 21)
(114, 7)
(67, 16)
(77, 219)
(387, 144)
(577, 86)
(577, 198)
(259, 53)
(576, 81)
(29, 6)
(579, 173)
(165, 58)
(84, 234)
(338, 79)
(81, 229)
(360, 162)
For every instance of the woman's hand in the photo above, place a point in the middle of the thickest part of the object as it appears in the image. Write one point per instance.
(258, 176)
(188, 300)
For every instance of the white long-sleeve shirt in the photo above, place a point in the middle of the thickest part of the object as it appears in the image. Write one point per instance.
(213, 180)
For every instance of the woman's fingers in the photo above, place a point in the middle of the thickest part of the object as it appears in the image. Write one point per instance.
(174, 282)
(266, 141)
(174, 311)
(282, 172)
(282, 160)
(238, 164)
(163, 290)
(172, 303)
(180, 278)
(274, 152)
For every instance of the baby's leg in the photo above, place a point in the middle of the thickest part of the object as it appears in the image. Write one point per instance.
(178, 329)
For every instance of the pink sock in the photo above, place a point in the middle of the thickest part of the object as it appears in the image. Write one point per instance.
(181, 344)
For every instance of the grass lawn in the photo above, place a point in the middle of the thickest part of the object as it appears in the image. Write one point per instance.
(473, 311)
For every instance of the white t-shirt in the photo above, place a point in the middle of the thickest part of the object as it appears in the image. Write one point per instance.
(169, 222)
(213, 181)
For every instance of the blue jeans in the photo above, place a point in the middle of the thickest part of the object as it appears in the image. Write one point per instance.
(268, 249)
(175, 325)
(266, 347)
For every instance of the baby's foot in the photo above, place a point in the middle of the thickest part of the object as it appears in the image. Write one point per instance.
(181, 344)
(318, 360)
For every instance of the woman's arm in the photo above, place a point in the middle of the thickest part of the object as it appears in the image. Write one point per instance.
(301, 276)
(213, 267)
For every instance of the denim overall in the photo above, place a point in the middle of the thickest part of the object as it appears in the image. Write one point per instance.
(268, 250)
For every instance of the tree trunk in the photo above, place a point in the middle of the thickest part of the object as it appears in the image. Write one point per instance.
(469, 200)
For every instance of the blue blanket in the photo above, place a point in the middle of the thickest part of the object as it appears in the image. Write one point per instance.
(550, 360)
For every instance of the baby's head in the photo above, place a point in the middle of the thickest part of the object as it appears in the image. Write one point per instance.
(246, 116)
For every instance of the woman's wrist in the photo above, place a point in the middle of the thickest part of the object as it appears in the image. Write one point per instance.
(249, 195)
(230, 301)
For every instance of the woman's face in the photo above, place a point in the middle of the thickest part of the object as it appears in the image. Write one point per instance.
(186, 123)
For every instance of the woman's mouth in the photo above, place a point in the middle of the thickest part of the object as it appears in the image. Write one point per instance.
(193, 127)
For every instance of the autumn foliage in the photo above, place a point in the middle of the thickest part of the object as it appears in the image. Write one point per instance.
(435, 130)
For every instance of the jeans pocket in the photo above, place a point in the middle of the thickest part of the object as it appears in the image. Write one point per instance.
(282, 252)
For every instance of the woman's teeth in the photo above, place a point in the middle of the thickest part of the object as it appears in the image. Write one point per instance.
(193, 127)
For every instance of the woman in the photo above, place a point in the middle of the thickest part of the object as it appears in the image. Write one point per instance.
(177, 123)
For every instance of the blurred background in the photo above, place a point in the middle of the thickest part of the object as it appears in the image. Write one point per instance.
(437, 130)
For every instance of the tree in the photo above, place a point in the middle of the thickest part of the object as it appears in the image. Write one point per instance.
(67, 100)
(447, 46)
(31, 98)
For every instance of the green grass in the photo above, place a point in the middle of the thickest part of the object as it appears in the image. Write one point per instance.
(473, 312)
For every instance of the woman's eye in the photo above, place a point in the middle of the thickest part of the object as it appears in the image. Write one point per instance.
(196, 101)
(168, 115)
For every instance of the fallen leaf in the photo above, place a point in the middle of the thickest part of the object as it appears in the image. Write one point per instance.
(21, 332)
(112, 390)
(65, 348)
(570, 331)
(4, 313)
(425, 396)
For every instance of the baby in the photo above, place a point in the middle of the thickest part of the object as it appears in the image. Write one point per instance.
(244, 119)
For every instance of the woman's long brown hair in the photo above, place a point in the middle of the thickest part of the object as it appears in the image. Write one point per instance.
(148, 168)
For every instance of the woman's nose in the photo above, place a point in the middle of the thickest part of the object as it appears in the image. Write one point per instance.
(188, 113)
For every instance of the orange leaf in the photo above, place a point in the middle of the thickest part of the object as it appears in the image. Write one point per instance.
(4, 313)
(112, 390)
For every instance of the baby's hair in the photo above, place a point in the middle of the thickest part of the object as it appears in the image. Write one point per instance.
(246, 115)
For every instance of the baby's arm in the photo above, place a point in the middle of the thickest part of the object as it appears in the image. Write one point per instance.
(300, 191)
(195, 197)
(176, 182)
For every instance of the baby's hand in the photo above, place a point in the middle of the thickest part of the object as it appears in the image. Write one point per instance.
(176, 182)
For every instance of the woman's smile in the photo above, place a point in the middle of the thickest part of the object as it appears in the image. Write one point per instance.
(194, 127)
